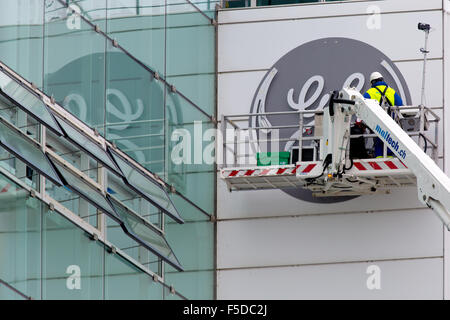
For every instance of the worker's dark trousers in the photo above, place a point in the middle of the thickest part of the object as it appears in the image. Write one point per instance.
(378, 146)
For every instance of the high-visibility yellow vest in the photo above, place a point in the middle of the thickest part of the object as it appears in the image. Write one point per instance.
(375, 94)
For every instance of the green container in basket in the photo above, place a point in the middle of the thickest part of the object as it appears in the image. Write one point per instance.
(272, 158)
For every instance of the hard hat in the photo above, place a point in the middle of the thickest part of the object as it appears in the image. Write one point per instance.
(375, 75)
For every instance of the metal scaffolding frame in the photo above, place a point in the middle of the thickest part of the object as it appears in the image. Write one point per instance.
(245, 135)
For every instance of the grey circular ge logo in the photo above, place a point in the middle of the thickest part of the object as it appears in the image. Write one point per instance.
(303, 78)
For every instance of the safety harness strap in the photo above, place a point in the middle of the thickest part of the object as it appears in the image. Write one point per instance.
(383, 95)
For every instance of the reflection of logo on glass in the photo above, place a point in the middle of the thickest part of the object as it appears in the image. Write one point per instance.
(138, 113)
(303, 78)
(118, 105)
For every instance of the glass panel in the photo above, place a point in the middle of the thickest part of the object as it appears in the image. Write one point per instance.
(131, 247)
(130, 198)
(202, 195)
(27, 151)
(23, 124)
(138, 26)
(135, 110)
(146, 234)
(72, 262)
(190, 149)
(74, 202)
(74, 62)
(73, 154)
(21, 45)
(190, 212)
(149, 189)
(87, 144)
(27, 100)
(19, 169)
(194, 244)
(191, 53)
(20, 244)
(8, 110)
(83, 162)
(198, 87)
(91, 194)
(124, 281)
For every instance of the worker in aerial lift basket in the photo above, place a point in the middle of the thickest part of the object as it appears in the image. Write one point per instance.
(387, 97)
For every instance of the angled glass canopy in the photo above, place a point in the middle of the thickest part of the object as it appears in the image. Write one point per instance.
(144, 233)
(17, 92)
(27, 100)
(84, 189)
(149, 189)
(27, 150)
(134, 226)
(85, 143)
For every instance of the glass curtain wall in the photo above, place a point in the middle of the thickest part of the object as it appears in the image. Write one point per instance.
(21, 37)
(190, 66)
(46, 256)
(143, 74)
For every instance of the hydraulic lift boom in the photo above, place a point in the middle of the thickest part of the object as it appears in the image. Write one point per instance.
(433, 185)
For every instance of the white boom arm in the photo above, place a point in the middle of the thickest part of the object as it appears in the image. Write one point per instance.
(432, 183)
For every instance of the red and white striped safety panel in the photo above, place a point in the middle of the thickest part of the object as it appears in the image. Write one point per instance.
(368, 165)
(264, 172)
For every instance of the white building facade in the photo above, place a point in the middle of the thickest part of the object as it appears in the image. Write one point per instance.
(273, 245)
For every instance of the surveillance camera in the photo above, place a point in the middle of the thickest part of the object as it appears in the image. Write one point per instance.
(424, 26)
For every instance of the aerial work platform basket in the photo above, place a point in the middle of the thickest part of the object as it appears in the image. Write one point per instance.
(299, 133)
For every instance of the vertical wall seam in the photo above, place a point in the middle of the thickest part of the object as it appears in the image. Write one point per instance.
(105, 66)
(444, 167)
(216, 111)
(41, 205)
(166, 130)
